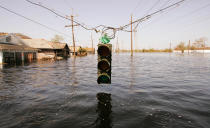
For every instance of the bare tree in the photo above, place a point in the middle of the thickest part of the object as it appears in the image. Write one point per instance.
(57, 38)
(200, 43)
(181, 46)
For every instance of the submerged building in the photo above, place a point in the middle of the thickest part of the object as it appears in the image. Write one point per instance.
(72, 50)
(15, 54)
(48, 50)
(40, 48)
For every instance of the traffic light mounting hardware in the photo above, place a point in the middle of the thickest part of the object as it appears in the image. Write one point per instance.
(104, 63)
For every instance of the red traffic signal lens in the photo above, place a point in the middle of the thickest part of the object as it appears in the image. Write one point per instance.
(104, 51)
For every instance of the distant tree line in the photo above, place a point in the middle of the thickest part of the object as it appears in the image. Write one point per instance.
(197, 44)
(148, 50)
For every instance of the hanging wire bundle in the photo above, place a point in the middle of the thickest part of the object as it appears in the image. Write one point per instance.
(103, 29)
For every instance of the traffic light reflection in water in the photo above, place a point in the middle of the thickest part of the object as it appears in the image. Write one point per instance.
(104, 110)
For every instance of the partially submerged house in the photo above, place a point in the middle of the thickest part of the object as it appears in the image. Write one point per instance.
(48, 50)
(72, 49)
(12, 53)
(41, 48)
(61, 49)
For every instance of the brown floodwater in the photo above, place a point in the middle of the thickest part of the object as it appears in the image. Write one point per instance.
(149, 90)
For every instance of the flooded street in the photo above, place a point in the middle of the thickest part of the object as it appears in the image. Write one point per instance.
(150, 90)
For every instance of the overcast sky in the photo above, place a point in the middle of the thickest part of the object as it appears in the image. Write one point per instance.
(189, 21)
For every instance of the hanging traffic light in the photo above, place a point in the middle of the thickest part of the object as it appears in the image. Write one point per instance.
(104, 63)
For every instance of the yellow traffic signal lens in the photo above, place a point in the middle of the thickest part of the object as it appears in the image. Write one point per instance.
(103, 65)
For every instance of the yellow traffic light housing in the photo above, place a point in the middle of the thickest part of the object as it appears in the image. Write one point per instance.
(104, 63)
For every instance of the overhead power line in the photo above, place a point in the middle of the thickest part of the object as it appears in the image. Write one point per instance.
(150, 15)
(60, 15)
(103, 28)
(195, 11)
(183, 17)
(155, 4)
(156, 12)
(36, 22)
(165, 3)
(138, 4)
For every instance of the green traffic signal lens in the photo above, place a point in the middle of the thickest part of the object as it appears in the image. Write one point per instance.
(104, 51)
(103, 79)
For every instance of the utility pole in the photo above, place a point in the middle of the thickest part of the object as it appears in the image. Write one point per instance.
(131, 38)
(72, 25)
(170, 48)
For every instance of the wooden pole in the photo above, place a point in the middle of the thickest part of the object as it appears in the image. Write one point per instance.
(72, 25)
(170, 48)
(131, 38)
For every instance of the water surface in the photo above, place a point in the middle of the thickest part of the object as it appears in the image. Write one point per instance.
(147, 91)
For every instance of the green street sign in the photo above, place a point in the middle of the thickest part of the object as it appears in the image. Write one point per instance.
(105, 39)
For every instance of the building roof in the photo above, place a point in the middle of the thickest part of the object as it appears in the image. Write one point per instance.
(38, 43)
(22, 36)
(8, 46)
(44, 44)
(33, 43)
(11, 38)
(57, 45)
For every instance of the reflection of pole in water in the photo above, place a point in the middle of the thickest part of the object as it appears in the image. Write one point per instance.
(104, 110)
(132, 72)
(73, 75)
